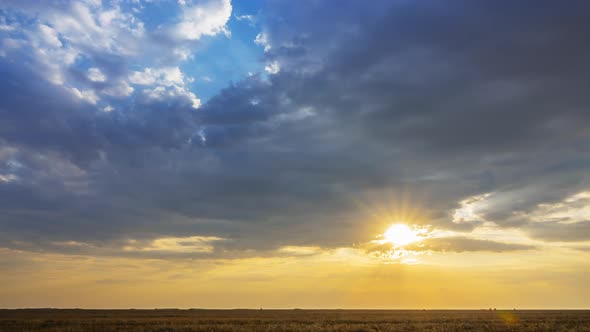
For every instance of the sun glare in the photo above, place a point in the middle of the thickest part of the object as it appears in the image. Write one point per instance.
(400, 235)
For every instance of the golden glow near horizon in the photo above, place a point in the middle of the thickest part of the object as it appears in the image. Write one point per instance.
(400, 261)
(340, 278)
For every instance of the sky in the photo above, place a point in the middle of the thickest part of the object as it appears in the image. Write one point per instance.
(282, 154)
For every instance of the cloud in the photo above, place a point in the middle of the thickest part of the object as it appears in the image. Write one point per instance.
(574, 208)
(86, 95)
(273, 67)
(262, 39)
(251, 19)
(89, 47)
(581, 248)
(49, 36)
(95, 75)
(299, 250)
(559, 232)
(162, 76)
(443, 102)
(464, 243)
(469, 209)
(206, 18)
(169, 83)
(161, 93)
(189, 244)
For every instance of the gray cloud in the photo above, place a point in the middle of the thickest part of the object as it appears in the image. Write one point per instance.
(581, 248)
(462, 243)
(559, 232)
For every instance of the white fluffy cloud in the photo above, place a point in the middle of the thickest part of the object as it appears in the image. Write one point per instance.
(50, 56)
(49, 36)
(163, 76)
(119, 89)
(86, 95)
(203, 19)
(64, 41)
(95, 75)
(272, 67)
(93, 26)
(168, 82)
(262, 40)
(164, 92)
(66, 33)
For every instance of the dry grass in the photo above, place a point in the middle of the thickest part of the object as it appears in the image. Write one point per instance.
(291, 320)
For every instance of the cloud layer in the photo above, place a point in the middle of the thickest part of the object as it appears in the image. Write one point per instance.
(473, 107)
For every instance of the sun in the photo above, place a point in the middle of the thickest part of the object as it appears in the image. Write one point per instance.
(401, 235)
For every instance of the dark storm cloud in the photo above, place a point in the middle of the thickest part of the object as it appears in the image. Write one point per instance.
(471, 78)
(452, 100)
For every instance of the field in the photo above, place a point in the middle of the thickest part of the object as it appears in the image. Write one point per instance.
(172, 320)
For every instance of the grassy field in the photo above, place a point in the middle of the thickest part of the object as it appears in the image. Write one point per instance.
(171, 320)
